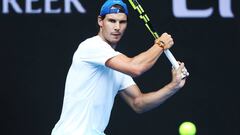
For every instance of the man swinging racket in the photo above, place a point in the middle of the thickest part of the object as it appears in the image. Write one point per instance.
(98, 73)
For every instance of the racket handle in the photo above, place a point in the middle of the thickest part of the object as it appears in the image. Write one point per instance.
(174, 61)
(171, 58)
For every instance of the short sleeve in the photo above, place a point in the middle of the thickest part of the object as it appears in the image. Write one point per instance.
(127, 81)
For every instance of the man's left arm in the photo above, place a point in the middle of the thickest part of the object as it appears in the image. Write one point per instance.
(142, 102)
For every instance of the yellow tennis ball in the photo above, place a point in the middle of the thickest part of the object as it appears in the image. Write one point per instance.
(187, 128)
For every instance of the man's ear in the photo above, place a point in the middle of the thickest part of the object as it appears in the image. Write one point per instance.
(100, 21)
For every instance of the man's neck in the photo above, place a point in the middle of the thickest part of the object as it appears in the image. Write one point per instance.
(112, 45)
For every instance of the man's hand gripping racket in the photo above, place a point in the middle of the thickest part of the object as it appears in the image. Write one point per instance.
(145, 18)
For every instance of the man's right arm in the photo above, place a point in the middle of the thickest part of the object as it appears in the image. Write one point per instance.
(144, 61)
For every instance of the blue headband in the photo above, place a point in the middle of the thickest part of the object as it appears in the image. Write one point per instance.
(106, 7)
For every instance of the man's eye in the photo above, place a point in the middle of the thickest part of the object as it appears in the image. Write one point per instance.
(123, 22)
(112, 21)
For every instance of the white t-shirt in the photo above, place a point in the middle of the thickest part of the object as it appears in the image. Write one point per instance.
(90, 90)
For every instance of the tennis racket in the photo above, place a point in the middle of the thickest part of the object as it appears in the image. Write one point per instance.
(143, 16)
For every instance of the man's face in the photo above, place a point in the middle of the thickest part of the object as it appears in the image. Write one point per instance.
(112, 27)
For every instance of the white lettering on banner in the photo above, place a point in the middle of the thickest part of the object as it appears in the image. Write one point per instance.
(76, 3)
(225, 8)
(180, 10)
(47, 7)
(29, 8)
(13, 3)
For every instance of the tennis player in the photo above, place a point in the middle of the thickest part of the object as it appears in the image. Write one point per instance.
(98, 73)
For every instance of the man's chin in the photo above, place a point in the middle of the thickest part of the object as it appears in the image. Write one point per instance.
(115, 41)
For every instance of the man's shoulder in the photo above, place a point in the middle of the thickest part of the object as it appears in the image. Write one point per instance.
(94, 42)
(92, 39)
